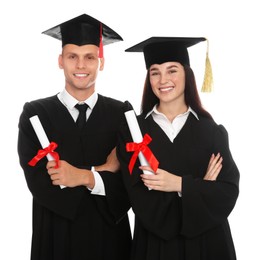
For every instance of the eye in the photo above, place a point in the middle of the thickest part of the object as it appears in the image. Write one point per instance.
(172, 71)
(154, 73)
(90, 57)
(72, 56)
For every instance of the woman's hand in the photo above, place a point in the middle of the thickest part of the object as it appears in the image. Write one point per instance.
(161, 180)
(214, 167)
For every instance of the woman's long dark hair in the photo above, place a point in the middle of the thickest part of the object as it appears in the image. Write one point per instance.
(192, 99)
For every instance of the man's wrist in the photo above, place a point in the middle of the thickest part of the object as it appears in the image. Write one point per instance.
(98, 188)
(88, 179)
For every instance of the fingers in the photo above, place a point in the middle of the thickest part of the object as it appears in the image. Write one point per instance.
(147, 168)
(50, 164)
(150, 178)
(212, 161)
(163, 181)
(52, 170)
(215, 173)
(214, 167)
(113, 151)
(151, 182)
(55, 176)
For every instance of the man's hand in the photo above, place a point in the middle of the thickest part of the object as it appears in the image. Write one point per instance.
(68, 175)
(111, 164)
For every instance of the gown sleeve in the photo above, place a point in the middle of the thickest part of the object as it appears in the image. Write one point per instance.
(67, 202)
(116, 200)
(151, 208)
(206, 204)
(63, 202)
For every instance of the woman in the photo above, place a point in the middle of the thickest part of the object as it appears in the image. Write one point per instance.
(180, 210)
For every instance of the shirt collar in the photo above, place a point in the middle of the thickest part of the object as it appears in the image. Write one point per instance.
(154, 110)
(69, 101)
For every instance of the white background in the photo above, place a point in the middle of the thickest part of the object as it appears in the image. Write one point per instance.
(29, 70)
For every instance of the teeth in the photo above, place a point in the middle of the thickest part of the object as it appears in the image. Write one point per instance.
(165, 89)
(80, 75)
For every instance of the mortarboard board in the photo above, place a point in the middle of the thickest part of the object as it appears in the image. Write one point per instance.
(82, 30)
(158, 50)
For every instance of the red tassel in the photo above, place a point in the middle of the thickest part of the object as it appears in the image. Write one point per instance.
(101, 48)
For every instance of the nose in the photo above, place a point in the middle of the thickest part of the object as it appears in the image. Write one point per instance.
(164, 78)
(80, 63)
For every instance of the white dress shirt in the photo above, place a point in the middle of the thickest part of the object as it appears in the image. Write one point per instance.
(70, 102)
(171, 129)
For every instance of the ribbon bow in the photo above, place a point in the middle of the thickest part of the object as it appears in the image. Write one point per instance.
(142, 147)
(43, 152)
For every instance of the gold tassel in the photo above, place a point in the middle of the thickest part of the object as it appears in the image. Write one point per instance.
(208, 77)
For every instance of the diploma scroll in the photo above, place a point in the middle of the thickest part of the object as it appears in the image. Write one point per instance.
(42, 137)
(136, 136)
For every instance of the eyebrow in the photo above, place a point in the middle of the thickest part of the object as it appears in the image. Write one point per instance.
(169, 67)
(172, 66)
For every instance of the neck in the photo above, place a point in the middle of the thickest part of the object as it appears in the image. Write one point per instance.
(81, 94)
(171, 111)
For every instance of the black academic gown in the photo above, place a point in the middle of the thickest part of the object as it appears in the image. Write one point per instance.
(194, 226)
(71, 223)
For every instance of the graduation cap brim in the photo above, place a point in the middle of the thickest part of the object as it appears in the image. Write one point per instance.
(82, 30)
(158, 50)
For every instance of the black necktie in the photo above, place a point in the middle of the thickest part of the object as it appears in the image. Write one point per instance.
(82, 114)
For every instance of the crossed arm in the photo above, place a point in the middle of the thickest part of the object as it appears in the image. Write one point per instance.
(71, 176)
(165, 181)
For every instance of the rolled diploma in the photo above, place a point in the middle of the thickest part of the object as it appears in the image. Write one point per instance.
(42, 137)
(136, 136)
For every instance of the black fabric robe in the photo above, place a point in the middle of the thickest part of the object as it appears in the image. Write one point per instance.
(71, 223)
(194, 226)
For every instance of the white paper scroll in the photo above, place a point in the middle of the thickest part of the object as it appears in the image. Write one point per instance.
(136, 135)
(42, 137)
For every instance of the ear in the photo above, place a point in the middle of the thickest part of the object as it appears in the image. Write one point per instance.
(60, 61)
(102, 63)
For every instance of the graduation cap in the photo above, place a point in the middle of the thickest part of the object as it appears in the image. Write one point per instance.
(158, 50)
(83, 30)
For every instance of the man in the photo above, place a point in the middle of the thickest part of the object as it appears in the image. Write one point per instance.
(88, 218)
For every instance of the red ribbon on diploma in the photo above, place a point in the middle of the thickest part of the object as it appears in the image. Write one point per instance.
(43, 152)
(142, 147)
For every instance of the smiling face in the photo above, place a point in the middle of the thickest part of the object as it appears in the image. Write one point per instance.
(81, 66)
(168, 82)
